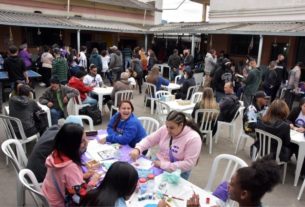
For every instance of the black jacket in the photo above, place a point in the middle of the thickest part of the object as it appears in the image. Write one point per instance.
(228, 106)
(294, 114)
(280, 129)
(221, 76)
(41, 151)
(174, 61)
(23, 108)
(185, 86)
(15, 67)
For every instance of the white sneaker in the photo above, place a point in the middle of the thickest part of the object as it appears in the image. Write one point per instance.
(42, 84)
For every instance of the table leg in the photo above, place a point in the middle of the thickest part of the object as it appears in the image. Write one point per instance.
(301, 154)
(100, 101)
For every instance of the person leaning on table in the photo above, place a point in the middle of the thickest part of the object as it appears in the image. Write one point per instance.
(179, 142)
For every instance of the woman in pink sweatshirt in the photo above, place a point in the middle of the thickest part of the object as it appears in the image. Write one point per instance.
(179, 144)
(64, 180)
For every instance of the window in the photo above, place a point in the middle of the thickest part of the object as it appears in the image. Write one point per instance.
(240, 45)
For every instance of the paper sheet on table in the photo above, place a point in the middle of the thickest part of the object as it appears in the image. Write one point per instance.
(99, 151)
(142, 163)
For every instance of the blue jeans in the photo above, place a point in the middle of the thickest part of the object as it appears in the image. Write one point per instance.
(56, 114)
(127, 62)
(90, 101)
(186, 175)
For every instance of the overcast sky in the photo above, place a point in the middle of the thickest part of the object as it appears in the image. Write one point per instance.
(188, 12)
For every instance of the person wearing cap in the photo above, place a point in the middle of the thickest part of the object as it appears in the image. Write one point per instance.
(25, 56)
(116, 62)
(82, 57)
(23, 107)
(77, 83)
(56, 97)
(44, 146)
(252, 82)
(93, 79)
(255, 112)
(60, 67)
(119, 85)
(221, 76)
(15, 67)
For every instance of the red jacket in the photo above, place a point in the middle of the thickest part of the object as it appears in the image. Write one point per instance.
(78, 84)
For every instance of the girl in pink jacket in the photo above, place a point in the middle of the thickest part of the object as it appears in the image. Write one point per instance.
(64, 181)
(179, 144)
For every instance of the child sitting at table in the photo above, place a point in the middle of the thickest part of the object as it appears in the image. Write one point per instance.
(179, 142)
(64, 181)
(118, 185)
(124, 127)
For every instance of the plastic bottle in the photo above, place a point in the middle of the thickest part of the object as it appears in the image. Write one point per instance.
(151, 182)
(142, 185)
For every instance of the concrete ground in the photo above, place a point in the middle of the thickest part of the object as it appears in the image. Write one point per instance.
(282, 195)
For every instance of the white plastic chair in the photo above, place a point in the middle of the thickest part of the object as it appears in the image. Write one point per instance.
(162, 111)
(77, 105)
(207, 121)
(150, 95)
(88, 118)
(29, 181)
(234, 163)
(235, 124)
(10, 133)
(177, 78)
(13, 150)
(301, 190)
(265, 141)
(150, 124)
(118, 97)
(161, 93)
(198, 78)
(191, 90)
(196, 97)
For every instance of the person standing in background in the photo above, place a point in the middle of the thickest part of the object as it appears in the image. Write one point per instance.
(25, 56)
(46, 70)
(127, 53)
(82, 57)
(15, 67)
(60, 67)
(174, 62)
(95, 59)
(210, 63)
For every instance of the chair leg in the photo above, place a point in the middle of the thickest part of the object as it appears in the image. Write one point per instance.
(284, 172)
(237, 144)
(211, 142)
(301, 190)
(20, 194)
(152, 106)
(233, 132)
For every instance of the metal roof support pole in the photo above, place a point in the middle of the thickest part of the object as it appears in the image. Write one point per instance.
(193, 45)
(145, 42)
(78, 40)
(260, 49)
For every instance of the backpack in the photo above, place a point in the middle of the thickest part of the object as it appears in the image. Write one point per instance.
(94, 113)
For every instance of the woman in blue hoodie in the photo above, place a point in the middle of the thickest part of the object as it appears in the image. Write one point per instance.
(124, 127)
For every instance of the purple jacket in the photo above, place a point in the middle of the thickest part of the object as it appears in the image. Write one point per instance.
(26, 57)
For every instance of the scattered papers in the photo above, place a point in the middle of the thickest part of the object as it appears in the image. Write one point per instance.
(100, 152)
(142, 163)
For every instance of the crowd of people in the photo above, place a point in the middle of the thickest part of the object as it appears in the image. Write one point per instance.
(56, 157)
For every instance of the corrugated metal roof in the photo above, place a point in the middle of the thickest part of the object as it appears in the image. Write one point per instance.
(263, 28)
(126, 3)
(41, 20)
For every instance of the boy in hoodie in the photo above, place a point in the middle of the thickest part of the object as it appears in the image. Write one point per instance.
(96, 59)
(60, 67)
(15, 67)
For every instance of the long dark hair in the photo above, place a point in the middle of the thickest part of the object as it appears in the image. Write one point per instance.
(68, 141)
(116, 122)
(179, 117)
(120, 181)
